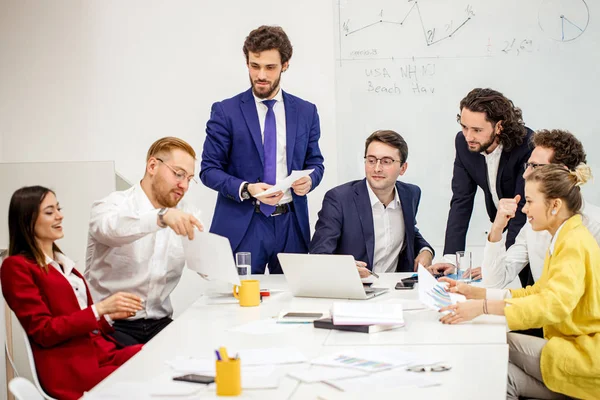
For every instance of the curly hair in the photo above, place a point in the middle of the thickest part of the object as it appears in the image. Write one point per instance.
(268, 38)
(568, 150)
(496, 108)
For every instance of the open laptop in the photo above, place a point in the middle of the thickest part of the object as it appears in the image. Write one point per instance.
(325, 275)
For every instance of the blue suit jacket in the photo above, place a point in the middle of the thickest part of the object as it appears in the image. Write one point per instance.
(470, 171)
(345, 224)
(233, 153)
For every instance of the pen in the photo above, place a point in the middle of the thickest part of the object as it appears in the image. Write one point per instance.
(373, 273)
(218, 355)
(224, 356)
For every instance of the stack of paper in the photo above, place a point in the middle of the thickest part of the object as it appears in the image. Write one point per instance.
(354, 313)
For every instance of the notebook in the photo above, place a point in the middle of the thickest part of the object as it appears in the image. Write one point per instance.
(327, 323)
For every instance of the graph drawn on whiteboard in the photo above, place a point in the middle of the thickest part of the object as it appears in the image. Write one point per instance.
(429, 34)
(414, 23)
(563, 20)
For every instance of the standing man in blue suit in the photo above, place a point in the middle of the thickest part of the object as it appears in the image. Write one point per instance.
(491, 152)
(253, 141)
(374, 219)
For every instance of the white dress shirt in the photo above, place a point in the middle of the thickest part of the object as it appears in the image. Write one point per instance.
(76, 282)
(279, 111)
(500, 267)
(128, 252)
(389, 231)
(492, 161)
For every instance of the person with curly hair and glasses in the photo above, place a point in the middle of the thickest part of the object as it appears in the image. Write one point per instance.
(565, 301)
(490, 152)
(500, 267)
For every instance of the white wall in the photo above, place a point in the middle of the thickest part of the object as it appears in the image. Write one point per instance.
(101, 80)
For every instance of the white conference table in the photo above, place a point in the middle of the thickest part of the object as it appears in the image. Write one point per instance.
(477, 351)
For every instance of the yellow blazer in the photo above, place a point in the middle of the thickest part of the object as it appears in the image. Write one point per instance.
(565, 301)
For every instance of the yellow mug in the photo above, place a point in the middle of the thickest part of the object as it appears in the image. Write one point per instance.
(228, 377)
(248, 293)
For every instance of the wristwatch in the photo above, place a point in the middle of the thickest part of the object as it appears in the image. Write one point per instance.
(245, 193)
(161, 215)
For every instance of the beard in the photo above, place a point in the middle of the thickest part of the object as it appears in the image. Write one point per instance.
(267, 92)
(162, 194)
(486, 145)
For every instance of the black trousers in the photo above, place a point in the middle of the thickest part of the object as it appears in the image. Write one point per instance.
(138, 331)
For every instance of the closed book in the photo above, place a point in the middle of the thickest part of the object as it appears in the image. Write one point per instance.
(327, 323)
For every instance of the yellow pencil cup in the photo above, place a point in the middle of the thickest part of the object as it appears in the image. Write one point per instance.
(248, 293)
(229, 377)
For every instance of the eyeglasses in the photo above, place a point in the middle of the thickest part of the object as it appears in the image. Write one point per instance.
(180, 176)
(533, 165)
(386, 162)
(429, 368)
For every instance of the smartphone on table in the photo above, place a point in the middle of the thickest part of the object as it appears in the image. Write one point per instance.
(405, 284)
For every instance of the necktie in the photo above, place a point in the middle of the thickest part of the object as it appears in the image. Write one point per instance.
(270, 152)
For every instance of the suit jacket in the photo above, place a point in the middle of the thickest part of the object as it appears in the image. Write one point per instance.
(64, 338)
(470, 171)
(345, 224)
(565, 301)
(233, 153)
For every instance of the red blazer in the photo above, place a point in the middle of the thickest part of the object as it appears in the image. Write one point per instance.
(72, 350)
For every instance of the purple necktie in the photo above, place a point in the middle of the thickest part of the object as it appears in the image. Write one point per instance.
(270, 151)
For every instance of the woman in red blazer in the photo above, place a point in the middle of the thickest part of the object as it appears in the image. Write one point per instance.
(67, 331)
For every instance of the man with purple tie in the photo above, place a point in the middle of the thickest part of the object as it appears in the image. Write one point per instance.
(253, 141)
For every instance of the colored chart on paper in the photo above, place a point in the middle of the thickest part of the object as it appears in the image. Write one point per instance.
(362, 363)
(348, 360)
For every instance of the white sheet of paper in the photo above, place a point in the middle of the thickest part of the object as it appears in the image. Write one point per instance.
(374, 359)
(386, 380)
(356, 313)
(249, 357)
(210, 255)
(318, 374)
(427, 286)
(264, 327)
(286, 183)
(272, 356)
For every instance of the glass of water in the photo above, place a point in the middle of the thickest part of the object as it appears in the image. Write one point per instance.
(464, 264)
(243, 263)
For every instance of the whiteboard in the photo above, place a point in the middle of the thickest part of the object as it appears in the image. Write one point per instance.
(405, 66)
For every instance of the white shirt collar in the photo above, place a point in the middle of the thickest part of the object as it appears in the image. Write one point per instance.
(61, 259)
(496, 153)
(278, 97)
(551, 248)
(375, 200)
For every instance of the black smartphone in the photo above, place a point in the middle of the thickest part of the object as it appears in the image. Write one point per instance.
(205, 379)
(405, 285)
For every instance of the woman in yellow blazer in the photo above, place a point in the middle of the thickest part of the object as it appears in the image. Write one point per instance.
(565, 301)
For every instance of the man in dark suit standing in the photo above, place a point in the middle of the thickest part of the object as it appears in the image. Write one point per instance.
(253, 141)
(374, 219)
(491, 152)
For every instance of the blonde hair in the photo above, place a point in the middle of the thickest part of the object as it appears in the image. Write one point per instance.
(557, 182)
(167, 144)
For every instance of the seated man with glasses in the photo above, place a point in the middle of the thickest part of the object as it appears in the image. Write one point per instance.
(374, 219)
(501, 267)
(134, 242)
